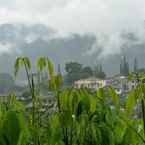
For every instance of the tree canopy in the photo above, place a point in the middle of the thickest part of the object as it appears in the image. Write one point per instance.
(76, 71)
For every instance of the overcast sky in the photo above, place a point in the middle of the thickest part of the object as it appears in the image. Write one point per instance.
(76, 15)
(80, 16)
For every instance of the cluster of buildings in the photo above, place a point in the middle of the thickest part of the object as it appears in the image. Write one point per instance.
(120, 83)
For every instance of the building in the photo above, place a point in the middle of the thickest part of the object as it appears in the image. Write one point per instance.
(132, 84)
(120, 84)
(90, 83)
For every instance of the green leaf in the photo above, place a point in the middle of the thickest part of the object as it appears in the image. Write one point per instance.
(17, 65)
(58, 78)
(100, 93)
(20, 62)
(131, 101)
(93, 104)
(52, 83)
(115, 97)
(11, 128)
(41, 63)
(27, 62)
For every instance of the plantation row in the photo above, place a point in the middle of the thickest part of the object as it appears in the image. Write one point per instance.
(81, 117)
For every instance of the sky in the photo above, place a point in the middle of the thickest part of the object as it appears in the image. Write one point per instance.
(79, 16)
(100, 17)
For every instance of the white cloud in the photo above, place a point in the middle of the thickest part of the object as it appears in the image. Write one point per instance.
(8, 48)
(80, 16)
(39, 6)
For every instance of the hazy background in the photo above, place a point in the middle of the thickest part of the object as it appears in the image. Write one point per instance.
(88, 31)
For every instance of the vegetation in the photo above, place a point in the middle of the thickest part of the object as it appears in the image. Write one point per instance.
(76, 71)
(81, 117)
(98, 72)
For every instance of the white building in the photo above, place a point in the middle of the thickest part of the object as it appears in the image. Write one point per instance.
(132, 84)
(90, 83)
(120, 83)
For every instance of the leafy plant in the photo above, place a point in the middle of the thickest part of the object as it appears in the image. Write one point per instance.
(81, 117)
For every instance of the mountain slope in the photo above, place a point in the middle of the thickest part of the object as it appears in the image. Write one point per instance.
(39, 40)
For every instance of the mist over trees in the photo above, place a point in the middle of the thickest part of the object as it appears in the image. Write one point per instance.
(124, 66)
(98, 72)
(75, 71)
(135, 67)
(36, 40)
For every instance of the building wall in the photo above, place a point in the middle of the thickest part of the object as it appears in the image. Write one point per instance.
(121, 84)
(89, 83)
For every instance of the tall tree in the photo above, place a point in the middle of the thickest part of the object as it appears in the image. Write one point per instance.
(76, 71)
(73, 67)
(73, 72)
(86, 72)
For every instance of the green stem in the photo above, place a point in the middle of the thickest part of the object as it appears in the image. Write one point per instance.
(28, 77)
(33, 102)
(143, 113)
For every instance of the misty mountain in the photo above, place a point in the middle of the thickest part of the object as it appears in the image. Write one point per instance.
(40, 40)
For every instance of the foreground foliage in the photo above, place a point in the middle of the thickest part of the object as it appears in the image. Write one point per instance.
(81, 117)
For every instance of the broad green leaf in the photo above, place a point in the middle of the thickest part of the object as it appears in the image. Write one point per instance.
(11, 128)
(58, 78)
(115, 97)
(93, 104)
(131, 101)
(41, 63)
(52, 83)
